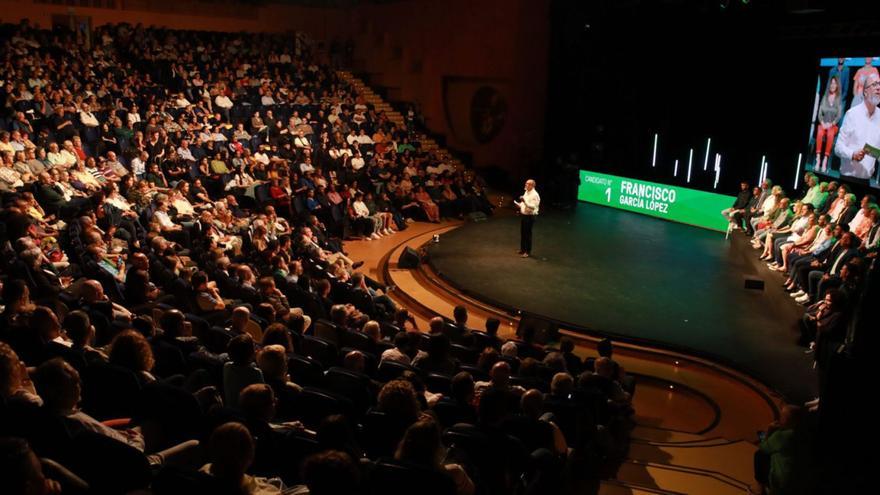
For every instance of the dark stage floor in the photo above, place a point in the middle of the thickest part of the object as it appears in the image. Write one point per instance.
(640, 278)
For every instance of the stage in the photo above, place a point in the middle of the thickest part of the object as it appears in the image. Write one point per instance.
(601, 270)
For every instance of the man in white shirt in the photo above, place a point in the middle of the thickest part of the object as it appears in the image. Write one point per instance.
(528, 204)
(114, 164)
(87, 118)
(357, 162)
(861, 126)
(139, 164)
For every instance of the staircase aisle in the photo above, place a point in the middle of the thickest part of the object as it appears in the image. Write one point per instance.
(427, 143)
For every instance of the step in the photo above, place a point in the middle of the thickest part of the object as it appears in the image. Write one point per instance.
(663, 435)
(733, 460)
(616, 487)
(678, 479)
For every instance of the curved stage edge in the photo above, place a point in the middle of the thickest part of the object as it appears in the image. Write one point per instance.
(747, 342)
(728, 404)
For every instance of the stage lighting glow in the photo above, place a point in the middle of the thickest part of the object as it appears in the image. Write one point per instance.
(797, 172)
(706, 159)
(690, 162)
(654, 159)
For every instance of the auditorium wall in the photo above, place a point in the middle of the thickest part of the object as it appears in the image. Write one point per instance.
(477, 70)
(320, 23)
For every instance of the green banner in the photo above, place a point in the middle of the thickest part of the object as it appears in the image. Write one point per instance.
(675, 203)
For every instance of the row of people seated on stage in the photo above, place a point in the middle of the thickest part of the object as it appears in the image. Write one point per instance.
(823, 246)
(763, 205)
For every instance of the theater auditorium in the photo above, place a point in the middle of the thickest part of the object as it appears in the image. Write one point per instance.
(616, 247)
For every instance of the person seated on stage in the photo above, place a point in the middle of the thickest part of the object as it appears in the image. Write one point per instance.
(767, 206)
(824, 274)
(802, 224)
(801, 259)
(780, 217)
(814, 196)
(735, 212)
(817, 231)
(861, 223)
(871, 245)
(835, 205)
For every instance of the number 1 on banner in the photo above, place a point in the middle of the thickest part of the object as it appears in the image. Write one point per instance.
(608, 194)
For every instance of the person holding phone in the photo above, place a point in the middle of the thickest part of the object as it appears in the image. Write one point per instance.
(778, 461)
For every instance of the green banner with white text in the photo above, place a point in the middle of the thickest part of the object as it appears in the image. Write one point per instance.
(674, 203)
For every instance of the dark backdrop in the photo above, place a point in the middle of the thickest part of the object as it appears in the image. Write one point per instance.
(745, 75)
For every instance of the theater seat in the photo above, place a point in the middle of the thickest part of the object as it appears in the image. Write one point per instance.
(305, 371)
(390, 477)
(389, 370)
(439, 384)
(323, 351)
(109, 391)
(314, 404)
(351, 385)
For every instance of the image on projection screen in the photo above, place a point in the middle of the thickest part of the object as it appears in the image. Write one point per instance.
(845, 131)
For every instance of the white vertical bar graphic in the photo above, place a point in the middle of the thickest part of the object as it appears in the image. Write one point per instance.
(706, 159)
(654, 159)
(690, 162)
(675, 170)
(797, 173)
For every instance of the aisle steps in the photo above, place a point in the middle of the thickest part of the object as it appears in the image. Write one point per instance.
(370, 96)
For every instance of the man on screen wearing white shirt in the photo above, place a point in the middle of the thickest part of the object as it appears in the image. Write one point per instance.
(861, 126)
(528, 204)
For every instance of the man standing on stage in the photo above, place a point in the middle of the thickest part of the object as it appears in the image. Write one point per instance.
(528, 208)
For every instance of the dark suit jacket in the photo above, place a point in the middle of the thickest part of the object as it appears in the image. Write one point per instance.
(836, 253)
(849, 214)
